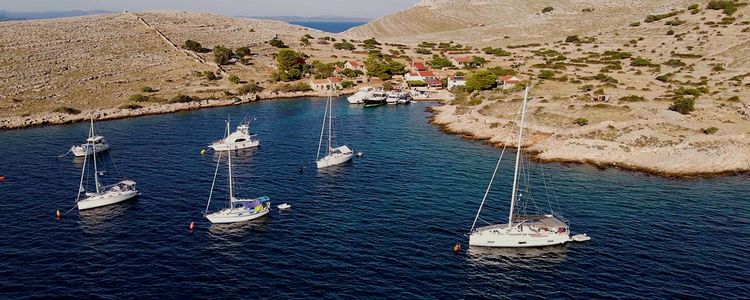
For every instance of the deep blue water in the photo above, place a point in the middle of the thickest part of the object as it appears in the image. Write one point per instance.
(380, 227)
(332, 27)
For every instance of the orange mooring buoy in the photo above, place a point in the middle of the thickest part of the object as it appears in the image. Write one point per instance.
(192, 226)
(58, 215)
(456, 247)
(2, 178)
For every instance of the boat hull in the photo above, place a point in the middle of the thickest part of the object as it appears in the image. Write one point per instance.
(108, 198)
(81, 151)
(237, 214)
(332, 160)
(518, 236)
(235, 146)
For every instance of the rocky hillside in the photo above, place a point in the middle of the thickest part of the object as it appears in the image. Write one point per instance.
(100, 61)
(497, 22)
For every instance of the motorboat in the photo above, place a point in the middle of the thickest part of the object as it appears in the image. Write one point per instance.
(237, 140)
(375, 98)
(359, 96)
(94, 144)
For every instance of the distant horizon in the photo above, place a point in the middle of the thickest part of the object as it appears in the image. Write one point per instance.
(358, 9)
(26, 15)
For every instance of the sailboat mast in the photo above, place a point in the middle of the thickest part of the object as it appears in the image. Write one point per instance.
(229, 163)
(330, 122)
(322, 130)
(518, 159)
(93, 154)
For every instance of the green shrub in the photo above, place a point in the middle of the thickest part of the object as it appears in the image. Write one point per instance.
(655, 18)
(130, 106)
(139, 98)
(587, 88)
(683, 105)
(147, 89)
(599, 92)
(728, 6)
(387, 86)
(734, 99)
(347, 84)
(675, 63)
(344, 46)
(633, 98)
(183, 99)
(243, 51)
(496, 51)
(581, 121)
(547, 9)
(222, 55)
(209, 75)
(416, 83)
(572, 39)
(641, 62)
(278, 43)
(192, 46)
(234, 79)
(635, 24)
(66, 110)
(546, 74)
(693, 6)
(296, 87)
(249, 88)
(423, 51)
(710, 130)
(439, 62)
(290, 65)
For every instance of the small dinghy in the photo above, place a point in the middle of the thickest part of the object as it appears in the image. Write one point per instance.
(284, 206)
(580, 237)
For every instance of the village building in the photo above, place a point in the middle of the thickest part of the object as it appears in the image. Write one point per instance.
(420, 76)
(417, 66)
(461, 61)
(356, 65)
(330, 83)
(456, 81)
(508, 81)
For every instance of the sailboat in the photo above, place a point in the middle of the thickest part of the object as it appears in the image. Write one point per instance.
(239, 210)
(334, 156)
(521, 230)
(103, 195)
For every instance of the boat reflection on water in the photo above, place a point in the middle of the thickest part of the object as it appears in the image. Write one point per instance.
(239, 228)
(517, 258)
(98, 219)
(241, 157)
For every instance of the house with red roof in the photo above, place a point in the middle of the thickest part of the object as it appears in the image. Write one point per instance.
(461, 61)
(456, 81)
(356, 65)
(420, 76)
(330, 83)
(417, 66)
(508, 81)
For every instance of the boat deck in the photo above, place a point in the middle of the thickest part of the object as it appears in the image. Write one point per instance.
(537, 221)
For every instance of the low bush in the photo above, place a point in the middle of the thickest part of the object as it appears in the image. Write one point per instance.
(293, 87)
(248, 88)
(710, 130)
(66, 110)
(547, 9)
(183, 99)
(683, 105)
(130, 106)
(546, 74)
(147, 89)
(633, 98)
(581, 121)
(234, 79)
(139, 98)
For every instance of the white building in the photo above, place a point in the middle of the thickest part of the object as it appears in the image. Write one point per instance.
(455, 81)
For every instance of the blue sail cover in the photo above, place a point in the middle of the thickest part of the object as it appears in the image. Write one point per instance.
(260, 200)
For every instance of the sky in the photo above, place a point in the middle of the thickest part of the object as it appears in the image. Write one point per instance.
(303, 8)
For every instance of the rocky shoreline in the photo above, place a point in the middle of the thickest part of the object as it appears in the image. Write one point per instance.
(54, 118)
(730, 158)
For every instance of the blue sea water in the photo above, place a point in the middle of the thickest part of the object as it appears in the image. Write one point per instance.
(380, 227)
(332, 27)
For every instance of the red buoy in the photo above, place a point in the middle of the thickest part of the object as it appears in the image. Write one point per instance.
(2, 178)
(58, 215)
(192, 226)
(456, 247)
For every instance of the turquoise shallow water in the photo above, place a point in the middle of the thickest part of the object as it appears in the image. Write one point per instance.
(381, 227)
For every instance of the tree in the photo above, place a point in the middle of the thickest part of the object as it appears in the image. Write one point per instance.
(192, 46)
(222, 55)
(291, 65)
(439, 62)
(347, 84)
(481, 80)
(476, 61)
(370, 43)
(546, 74)
(322, 70)
(383, 67)
(243, 51)
(387, 86)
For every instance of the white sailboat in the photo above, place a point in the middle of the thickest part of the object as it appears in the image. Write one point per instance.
(334, 156)
(521, 230)
(239, 210)
(237, 140)
(103, 195)
(94, 144)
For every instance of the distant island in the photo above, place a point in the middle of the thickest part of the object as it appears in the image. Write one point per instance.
(31, 15)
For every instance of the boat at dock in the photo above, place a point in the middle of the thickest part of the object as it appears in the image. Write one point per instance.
(522, 229)
(102, 195)
(359, 96)
(375, 98)
(239, 209)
